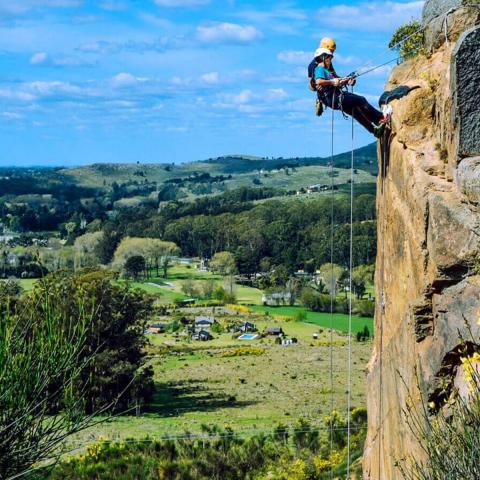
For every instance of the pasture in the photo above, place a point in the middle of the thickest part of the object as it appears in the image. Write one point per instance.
(209, 383)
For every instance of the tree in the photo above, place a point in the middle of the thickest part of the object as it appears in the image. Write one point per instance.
(223, 263)
(361, 277)
(279, 276)
(114, 338)
(331, 274)
(40, 345)
(85, 250)
(134, 266)
(157, 253)
(189, 288)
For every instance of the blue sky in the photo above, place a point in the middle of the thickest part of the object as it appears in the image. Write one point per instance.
(85, 81)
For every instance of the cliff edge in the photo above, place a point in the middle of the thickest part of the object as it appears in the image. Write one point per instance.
(427, 286)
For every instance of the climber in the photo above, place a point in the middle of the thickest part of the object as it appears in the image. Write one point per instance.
(326, 43)
(331, 93)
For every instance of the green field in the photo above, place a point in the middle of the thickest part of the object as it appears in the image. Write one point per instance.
(340, 321)
(170, 288)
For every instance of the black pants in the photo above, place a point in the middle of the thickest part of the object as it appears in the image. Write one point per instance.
(354, 105)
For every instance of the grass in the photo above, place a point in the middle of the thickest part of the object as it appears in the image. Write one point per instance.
(195, 385)
(170, 288)
(340, 321)
(27, 283)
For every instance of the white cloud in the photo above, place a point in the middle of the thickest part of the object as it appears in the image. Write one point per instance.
(181, 3)
(11, 94)
(228, 33)
(181, 81)
(43, 58)
(376, 16)
(39, 58)
(295, 57)
(12, 115)
(274, 94)
(124, 80)
(16, 7)
(211, 78)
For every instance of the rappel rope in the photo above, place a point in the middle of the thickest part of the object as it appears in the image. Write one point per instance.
(382, 306)
(332, 289)
(349, 387)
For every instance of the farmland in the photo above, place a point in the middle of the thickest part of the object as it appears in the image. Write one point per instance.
(198, 384)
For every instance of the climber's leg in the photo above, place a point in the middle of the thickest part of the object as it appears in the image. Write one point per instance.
(362, 111)
(352, 105)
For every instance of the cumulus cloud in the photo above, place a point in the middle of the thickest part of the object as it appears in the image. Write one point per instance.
(211, 78)
(370, 16)
(124, 79)
(181, 3)
(228, 33)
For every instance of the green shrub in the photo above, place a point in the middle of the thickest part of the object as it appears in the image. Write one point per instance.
(364, 308)
(450, 440)
(408, 40)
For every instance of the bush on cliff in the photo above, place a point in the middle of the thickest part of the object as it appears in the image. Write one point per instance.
(408, 40)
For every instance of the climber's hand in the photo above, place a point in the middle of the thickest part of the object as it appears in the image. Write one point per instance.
(352, 81)
(344, 81)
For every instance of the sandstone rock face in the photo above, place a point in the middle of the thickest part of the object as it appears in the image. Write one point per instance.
(427, 289)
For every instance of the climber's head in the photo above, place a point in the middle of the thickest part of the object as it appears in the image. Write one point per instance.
(328, 43)
(325, 56)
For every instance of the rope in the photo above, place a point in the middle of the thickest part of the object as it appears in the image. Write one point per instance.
(349, 388)
(332, 228)
(382, 307)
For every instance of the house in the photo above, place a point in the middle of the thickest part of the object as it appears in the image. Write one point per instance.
(202, 336)
(203, 323)
(286, 341)
(152, 331)
(276, 298)
(160, 327)
(274, 331)
(248, 327)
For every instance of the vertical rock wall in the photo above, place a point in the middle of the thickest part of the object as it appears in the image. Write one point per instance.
(428, 294)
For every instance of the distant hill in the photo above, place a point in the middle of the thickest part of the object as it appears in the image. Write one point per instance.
(232, 170)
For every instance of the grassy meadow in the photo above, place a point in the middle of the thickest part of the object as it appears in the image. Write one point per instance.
(222, 382)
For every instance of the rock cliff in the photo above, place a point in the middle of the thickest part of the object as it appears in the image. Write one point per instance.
(427, 286)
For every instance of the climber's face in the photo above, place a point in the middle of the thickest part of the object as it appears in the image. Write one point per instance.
(328, 62)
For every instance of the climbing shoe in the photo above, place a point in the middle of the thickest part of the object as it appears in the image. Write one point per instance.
(379, 129)
(318, 108)
(387, 111)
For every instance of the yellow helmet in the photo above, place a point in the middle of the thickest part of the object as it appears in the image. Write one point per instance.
(329, 43)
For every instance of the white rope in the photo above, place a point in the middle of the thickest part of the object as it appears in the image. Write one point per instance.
(382, 307)
(332, 289)
(349, 388)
